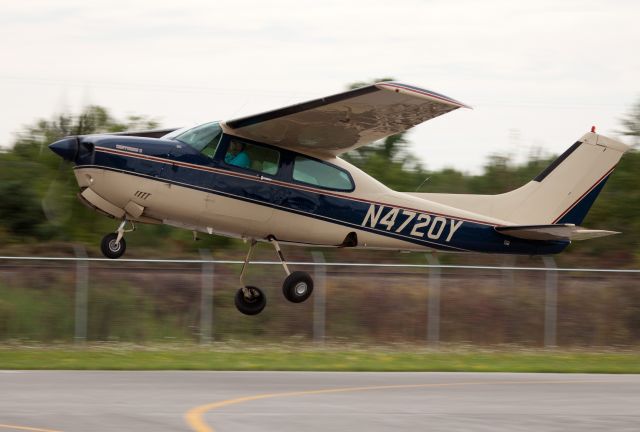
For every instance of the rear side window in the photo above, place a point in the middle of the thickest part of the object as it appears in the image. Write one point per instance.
(321, 174)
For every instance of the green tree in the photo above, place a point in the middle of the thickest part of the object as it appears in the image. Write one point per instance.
(38, 190)
(631, 123)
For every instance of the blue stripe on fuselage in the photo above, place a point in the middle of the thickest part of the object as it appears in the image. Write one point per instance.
(469, 236)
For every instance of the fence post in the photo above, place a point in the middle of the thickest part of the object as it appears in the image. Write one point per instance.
(433, 308)
(81, 295)
(551, 302)
(510, 321)
(319, 298)
(206, 297)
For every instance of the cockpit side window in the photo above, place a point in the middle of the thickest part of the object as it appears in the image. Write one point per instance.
(204, 138)
(253, 157)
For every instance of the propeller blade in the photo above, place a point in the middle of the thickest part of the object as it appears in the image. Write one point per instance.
(56, 203)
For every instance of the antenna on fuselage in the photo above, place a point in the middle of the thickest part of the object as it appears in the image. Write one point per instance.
(422, 184)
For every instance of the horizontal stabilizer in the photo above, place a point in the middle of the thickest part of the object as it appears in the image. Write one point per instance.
(552, 232)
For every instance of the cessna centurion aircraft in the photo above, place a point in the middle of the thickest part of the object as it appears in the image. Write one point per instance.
(276, 177)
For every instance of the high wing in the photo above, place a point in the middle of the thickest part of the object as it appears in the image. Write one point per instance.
(344, 121)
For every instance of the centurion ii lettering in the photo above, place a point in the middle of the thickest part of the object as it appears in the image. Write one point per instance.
(418, 225)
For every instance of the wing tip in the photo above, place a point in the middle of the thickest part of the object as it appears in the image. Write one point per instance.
(397, 87)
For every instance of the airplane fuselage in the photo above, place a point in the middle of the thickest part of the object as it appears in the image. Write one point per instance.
(166, 181)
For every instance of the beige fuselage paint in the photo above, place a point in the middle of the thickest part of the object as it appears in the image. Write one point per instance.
(206, 212)
(435, 217)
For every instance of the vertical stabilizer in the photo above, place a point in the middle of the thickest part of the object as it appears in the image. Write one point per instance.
(562, 193)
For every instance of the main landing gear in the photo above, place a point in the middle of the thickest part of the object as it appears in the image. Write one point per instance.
(297, 287)
(113, 245)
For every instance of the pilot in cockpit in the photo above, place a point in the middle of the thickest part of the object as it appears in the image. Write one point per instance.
(237, 156)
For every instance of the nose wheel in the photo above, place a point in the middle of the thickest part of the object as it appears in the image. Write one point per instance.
(297, 287)
(113, 245)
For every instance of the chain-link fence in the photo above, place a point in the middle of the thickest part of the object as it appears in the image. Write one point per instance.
(66, 299)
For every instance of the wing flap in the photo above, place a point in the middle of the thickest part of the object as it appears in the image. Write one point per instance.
(342, 122)
(552, 232)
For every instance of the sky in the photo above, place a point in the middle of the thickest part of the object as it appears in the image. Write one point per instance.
(538, 75)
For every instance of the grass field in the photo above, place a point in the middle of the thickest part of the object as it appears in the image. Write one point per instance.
(310, 358)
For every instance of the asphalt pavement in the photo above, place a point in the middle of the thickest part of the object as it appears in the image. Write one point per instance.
(81, 401)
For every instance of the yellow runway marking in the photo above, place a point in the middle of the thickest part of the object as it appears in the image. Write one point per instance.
(194, 416)
(26, 428)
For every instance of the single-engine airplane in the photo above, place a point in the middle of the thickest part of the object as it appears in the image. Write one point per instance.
(277, 177)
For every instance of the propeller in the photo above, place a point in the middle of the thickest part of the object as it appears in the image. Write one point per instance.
(56, 204)
(57, 201)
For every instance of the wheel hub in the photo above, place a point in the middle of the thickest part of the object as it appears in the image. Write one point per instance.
(300, 288)
(114, 246)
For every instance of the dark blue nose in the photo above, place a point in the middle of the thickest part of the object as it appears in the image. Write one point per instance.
(66, 148)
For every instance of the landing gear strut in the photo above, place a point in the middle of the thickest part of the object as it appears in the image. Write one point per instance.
(113, 245)
(297, 287)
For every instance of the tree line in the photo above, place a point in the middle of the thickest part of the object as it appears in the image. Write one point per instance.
(38, 192)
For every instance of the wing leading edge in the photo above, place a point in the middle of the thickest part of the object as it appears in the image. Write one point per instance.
(344, 121)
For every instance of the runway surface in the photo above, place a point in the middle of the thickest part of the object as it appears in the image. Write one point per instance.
(78, 401)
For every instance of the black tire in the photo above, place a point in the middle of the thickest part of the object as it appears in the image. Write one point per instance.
(110, 248)
(297, 287)
(252, 306)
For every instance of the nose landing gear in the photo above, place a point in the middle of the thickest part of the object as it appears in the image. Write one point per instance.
(297, 287)
(113, 245)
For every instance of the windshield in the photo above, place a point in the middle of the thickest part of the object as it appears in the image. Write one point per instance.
(204, 138)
